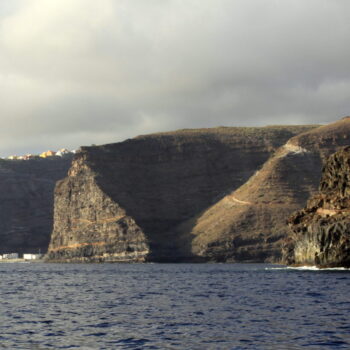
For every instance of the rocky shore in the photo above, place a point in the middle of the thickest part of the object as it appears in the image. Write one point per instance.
(321, 231)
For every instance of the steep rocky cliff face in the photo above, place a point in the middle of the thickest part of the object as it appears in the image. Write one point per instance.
(134, 200)
(249, 224)
(26, 202)
(321, 231)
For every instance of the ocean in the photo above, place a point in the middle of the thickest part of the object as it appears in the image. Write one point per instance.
(173, 306)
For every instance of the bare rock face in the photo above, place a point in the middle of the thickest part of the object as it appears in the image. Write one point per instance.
(26, 202)
(134, 200)
(119, 238)
(321, 231)
(249, 224)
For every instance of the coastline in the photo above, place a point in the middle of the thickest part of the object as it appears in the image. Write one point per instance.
(20, 260)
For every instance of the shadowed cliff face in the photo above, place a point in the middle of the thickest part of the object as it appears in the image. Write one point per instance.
(127, 201)
(321, 231)
(249, 224)
(26, 202)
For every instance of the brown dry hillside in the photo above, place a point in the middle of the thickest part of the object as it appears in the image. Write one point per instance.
(250, 223)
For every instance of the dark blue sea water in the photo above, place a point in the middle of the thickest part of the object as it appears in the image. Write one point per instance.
(168, 306)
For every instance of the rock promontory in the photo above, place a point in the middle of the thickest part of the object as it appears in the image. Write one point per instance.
(321, 231)
(138, 200)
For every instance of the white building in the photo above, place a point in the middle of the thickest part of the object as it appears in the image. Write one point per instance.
(62, 152)
(10, 256)
(31, 256)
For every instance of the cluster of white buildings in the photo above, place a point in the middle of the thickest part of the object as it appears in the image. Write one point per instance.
(26, 256)
(59, 153)
(9, 256)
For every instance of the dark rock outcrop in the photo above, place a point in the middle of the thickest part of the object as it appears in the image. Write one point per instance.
(26, 202)
(321, 231)
(249, 224)
(134, 200)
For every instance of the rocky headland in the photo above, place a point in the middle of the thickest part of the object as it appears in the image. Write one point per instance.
(321, 231)
(138, 200)
(220, 194)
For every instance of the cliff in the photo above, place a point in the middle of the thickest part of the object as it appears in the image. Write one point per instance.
(321, 231)
(134, 200)
(249, 224)
(26, 202)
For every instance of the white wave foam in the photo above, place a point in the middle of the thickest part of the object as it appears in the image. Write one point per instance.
(315, 268)
(308, 268)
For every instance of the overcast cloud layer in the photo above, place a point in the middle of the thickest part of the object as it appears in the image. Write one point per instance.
(77, 72)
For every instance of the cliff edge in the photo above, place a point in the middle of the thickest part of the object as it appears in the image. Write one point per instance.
(129, 201)
(321, 231)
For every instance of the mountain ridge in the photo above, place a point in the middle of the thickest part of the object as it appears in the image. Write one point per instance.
(156, 182)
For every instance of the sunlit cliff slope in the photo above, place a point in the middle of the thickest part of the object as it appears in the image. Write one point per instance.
(249, 224)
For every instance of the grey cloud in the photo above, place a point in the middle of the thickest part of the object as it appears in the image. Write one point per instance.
(83, 72)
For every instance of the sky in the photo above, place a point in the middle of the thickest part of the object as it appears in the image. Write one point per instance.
(82, 72)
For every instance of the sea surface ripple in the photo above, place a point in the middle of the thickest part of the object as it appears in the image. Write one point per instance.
(172, 306)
